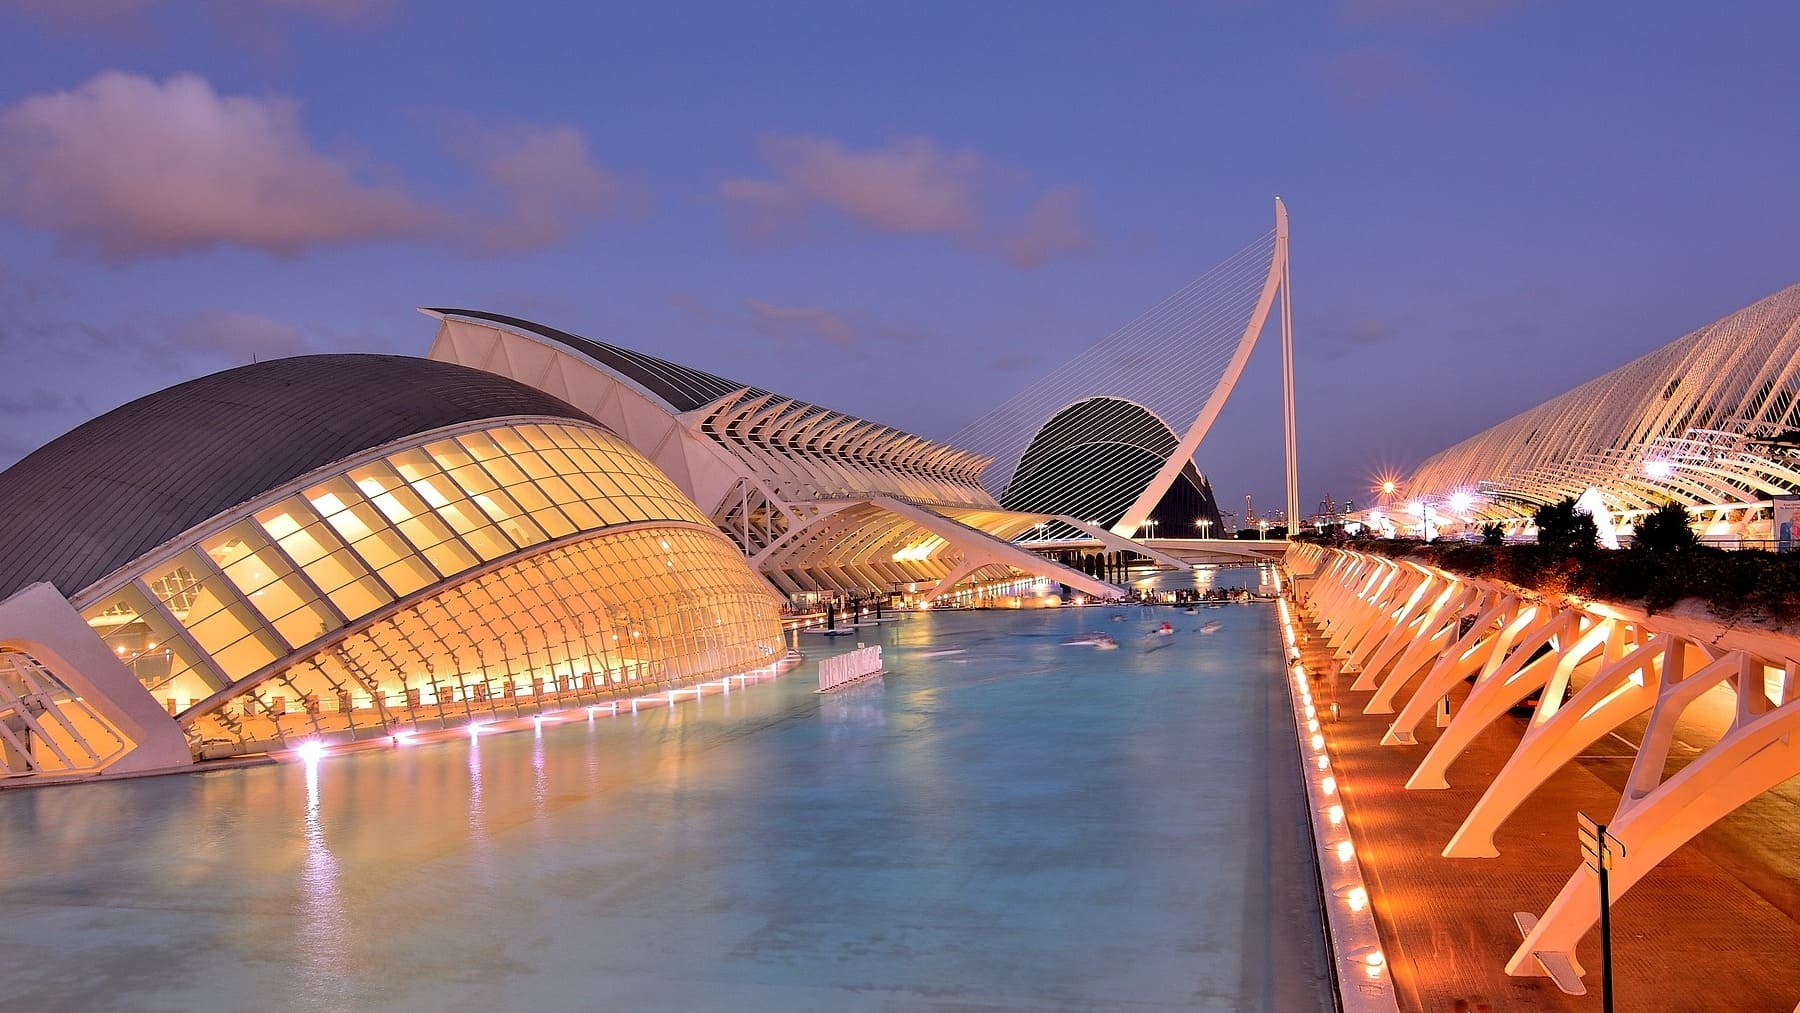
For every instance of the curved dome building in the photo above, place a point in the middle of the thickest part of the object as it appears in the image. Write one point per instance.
(1093, 459)
(341, 547)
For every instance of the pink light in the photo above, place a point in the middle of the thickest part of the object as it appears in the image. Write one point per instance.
(311, 750)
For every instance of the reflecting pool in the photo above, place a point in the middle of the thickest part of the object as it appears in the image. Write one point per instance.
(1004, 820)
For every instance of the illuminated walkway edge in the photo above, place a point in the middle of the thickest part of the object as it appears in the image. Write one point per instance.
(1362, 977)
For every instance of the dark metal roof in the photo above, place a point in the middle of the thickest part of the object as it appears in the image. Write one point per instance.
(681, 387)
(118, 486)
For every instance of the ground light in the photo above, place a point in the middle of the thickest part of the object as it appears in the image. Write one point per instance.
(312, 750)
(1355, 940)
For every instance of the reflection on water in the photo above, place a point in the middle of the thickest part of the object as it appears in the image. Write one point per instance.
(1022, 824)
(321, 943)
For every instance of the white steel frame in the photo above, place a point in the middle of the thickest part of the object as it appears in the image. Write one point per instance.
(1397, 625)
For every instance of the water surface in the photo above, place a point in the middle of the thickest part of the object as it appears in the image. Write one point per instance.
(1021, 825)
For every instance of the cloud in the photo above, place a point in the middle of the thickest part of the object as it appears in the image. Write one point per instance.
(1052, 227)
(911, 186)
(1364, 80)
(800, 326)
(545, 178)
(131, 167)
(177, 344)
(230, 334)
(800, 323)
(38, 400)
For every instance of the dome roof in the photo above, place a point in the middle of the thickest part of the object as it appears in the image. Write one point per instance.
(1093, 457)
(116, 487)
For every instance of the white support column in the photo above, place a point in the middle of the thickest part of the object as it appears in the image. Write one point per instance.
(1760, 750)
(40, 622)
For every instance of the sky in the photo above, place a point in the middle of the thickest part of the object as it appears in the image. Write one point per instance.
(904, 211)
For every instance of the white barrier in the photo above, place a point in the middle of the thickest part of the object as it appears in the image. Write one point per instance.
(834, 672)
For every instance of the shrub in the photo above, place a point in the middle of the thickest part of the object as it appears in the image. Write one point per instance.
(1562, 528)
(1666, 530)
(1493, 534)
(1732, 584)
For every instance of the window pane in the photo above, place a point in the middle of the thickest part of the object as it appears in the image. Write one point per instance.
(335, 570)
(553, 522)
(245, 656)
(412, 465)
(505, 471)
(222, 628)
(473, 479)
(529, 497)
(522, 531)
(498, 505)
(305, 624)
(479, 445)
(449, 455)
(425, 531)
(449, 558)
(407, 575)
(359, 599)
(488, 542)
(583, 515)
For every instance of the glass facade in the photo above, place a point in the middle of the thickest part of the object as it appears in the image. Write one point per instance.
(299, 566)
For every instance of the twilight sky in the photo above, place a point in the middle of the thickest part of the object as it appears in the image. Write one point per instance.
(905, 212)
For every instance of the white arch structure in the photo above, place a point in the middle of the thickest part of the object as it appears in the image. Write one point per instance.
(1411, 632)
(1689, 423)
(1179, 360)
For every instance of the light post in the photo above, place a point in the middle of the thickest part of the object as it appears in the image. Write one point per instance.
(1205, 525)
(1265, 530)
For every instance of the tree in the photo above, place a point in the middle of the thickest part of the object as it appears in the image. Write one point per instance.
(1493, 534)
(1666, 530)
(1563, 529)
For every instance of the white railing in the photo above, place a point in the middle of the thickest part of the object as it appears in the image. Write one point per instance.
(834, 672)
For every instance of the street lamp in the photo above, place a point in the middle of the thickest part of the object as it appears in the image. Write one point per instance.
(1265, 529)
(1205, 525)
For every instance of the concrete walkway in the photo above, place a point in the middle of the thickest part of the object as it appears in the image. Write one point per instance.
(1716, 927)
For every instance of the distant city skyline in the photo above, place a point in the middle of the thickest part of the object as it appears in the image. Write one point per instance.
(902, 214)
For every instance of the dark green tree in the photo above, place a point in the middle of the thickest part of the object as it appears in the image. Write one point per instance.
(1666, 530)
(1493, 534)
(1563, 529)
